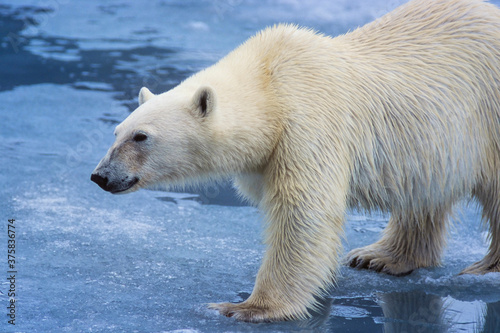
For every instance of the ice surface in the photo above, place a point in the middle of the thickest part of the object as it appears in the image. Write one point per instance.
(198, 32)
(150, 261)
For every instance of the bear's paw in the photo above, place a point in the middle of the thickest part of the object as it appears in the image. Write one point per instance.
(375, 257)
(247, 312)
(482, 267)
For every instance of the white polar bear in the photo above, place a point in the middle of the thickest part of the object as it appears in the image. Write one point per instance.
(401, 115)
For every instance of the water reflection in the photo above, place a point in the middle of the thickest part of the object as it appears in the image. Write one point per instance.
(491, 318)
(404, 312)
(413, 312)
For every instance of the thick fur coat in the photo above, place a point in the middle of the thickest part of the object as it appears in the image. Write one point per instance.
(401, 115)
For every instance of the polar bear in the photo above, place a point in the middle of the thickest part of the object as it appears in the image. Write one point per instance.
(401, 115)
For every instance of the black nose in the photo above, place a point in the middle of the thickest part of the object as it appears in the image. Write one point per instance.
(99, 180)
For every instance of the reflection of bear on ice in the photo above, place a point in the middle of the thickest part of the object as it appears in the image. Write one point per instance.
(402, 114)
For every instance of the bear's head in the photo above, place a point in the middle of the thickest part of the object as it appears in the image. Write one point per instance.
(223, 121)
(164, 141)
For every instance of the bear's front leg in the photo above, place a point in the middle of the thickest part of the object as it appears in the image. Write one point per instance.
(299, 265)
(277, 295)
(304, 204)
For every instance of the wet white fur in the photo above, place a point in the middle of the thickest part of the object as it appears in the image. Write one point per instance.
(402, 115)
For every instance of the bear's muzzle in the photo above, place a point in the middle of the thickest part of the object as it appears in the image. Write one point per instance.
(113, 185)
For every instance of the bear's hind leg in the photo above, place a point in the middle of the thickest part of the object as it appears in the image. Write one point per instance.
(490, 199)
(407, 243)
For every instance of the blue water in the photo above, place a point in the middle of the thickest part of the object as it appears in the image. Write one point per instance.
(87, 261)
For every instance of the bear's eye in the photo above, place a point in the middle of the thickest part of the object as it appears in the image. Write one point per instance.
(138, 137)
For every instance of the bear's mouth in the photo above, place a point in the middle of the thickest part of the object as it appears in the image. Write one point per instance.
(124, 186)
(115, 186)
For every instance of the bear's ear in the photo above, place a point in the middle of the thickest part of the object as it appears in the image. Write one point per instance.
(144, 95)
(204, 101)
